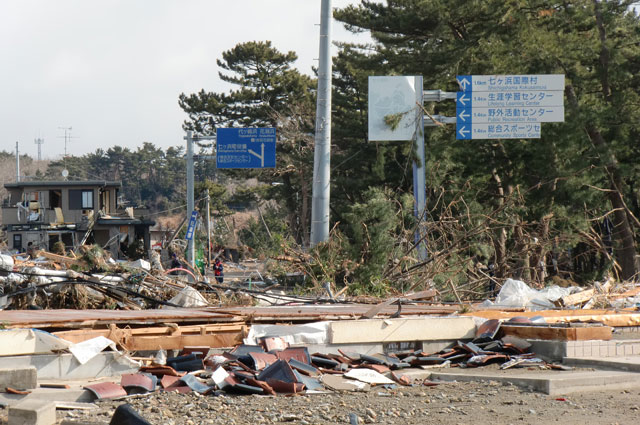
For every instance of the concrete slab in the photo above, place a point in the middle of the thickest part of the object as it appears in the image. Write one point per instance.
(397, 330)
(32, 412)
(629, 364)
(74, 394)
(548, 382)
(21, 378)
(66, 366)
(557, 350)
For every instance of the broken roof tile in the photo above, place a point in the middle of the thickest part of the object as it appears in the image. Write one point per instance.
(280, 370)
(260, 361)
(305, 368)
(262, 384)
(105, 390)
(285, 387)
(299, 353)
(138, 383)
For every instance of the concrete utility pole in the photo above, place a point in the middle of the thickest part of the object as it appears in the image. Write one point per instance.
(322, 153)
(190, 201)
(39, 142)
(190, 157)
(17, 164)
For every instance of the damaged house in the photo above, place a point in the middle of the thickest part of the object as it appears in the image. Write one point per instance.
(73, 212)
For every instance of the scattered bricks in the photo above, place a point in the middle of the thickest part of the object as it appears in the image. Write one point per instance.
(32, 412)
(23, 379)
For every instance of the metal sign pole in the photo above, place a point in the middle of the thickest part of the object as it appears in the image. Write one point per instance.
(190, 196)
(419, 179)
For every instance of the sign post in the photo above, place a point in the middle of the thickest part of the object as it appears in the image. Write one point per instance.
(246, 148)
(191, 228)
(400, 99)
(507, 106)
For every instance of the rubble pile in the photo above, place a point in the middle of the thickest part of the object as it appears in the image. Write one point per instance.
(92, 280)
(601, 295)
(273, 367)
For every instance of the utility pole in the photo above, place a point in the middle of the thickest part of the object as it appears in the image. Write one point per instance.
(190, 201)
(322, 152)
(39, 142)
(190, 157)
(208, 229)
(17, 164)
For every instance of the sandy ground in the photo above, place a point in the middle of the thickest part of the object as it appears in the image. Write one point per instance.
(446, 403)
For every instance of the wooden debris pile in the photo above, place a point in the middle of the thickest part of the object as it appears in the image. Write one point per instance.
(90, 279)
(603, 295)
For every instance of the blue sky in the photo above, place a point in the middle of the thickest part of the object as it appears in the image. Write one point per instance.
(113, 69)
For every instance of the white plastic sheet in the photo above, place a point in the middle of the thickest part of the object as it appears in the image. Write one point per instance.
(369, 376)
(310, 333)
(6, 262)
(86, 350)
(515, 293)
(188, 297)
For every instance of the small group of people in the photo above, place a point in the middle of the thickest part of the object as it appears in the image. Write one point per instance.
(218, 267)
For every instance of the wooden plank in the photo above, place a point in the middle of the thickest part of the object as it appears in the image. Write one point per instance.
(615, 318)
(80, 335)
(58, 258)
(630, 293)
(369, 314)
(578, 298)
(398, 330)
(168, 338)
(221, 340)
(586, 333)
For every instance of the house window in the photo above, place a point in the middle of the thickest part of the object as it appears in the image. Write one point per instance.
(17, 241)
(87, 199)
(81, 199)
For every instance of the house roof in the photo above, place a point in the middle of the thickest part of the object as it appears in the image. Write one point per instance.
(100, 183)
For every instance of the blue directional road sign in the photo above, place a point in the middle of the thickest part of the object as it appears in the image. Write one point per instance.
(507, 106)
(509, 99)
(192, 225)
(484, 83)
(498, 131)
(246, 148)
(509, 115)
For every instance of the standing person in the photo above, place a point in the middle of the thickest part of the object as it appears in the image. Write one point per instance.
(218, 270)
(31, 250)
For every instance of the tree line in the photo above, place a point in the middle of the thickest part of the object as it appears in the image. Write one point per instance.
(565, 204)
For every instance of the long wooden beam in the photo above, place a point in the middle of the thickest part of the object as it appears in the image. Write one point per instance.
(170, 337)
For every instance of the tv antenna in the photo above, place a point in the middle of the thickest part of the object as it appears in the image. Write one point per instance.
(39, 141)
(67, 138)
